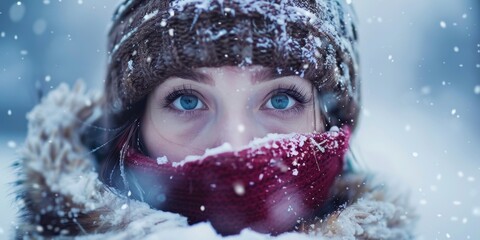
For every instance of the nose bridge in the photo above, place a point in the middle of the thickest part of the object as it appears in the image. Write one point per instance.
(238, 126)
(236, 122)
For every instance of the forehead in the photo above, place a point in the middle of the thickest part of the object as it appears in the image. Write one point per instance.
(210, 75)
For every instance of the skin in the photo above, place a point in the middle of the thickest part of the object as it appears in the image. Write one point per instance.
(234, 105)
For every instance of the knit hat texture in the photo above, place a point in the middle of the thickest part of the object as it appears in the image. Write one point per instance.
(151, 40)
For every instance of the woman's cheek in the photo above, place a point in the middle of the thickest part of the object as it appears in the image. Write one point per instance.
(299, 122)
(181, 128)
(176, 136)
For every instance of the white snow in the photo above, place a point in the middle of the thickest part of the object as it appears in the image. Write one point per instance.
(148, 16)
(318, 145)
(239, 188)
(123, 39)
(241, 128)
(278, 12)
(130, 65)
(261, 142)
(334, 129)
(476, 211)
(476, 89)
(214, 36)
(12, 144)
(8, 206)
(163, 23)
(120, 9)
(257, 142)
(443, 24)
(162, 160)
(225, 147)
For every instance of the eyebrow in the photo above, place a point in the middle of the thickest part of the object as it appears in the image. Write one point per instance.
(265, 75)
(194, 75)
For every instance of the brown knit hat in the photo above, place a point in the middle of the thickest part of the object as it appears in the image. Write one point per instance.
(151, 40)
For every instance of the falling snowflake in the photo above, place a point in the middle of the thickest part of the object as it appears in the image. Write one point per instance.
(476, 211)
(443, 24)
(239, 188)
(12, 144)
(476, 89)
(241, 128)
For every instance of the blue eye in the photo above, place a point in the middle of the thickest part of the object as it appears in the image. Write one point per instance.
(280, 101)
(187, 102)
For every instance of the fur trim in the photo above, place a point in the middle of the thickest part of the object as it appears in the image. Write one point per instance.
(63, 196)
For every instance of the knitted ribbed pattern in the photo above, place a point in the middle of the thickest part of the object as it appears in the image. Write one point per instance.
(150, 41)
(268, 187)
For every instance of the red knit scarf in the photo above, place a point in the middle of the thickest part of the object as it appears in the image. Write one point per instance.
(268, 187)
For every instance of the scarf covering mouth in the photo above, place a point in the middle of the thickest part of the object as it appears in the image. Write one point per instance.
(268, 187)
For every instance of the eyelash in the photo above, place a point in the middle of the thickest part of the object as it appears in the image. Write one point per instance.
(292, 91)
(178, 92)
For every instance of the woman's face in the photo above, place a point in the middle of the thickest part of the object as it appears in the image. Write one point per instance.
(207, 107)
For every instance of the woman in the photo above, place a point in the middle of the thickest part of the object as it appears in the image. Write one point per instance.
(189, 78)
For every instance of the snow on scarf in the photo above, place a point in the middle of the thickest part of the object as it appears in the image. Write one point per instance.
(60, 194)
(268, 187)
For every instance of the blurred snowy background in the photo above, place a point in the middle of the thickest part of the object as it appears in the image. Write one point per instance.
(421, 94)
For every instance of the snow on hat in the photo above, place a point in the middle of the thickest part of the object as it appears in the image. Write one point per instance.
(151, 40)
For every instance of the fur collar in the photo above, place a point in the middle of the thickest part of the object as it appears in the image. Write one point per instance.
(62, 194)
